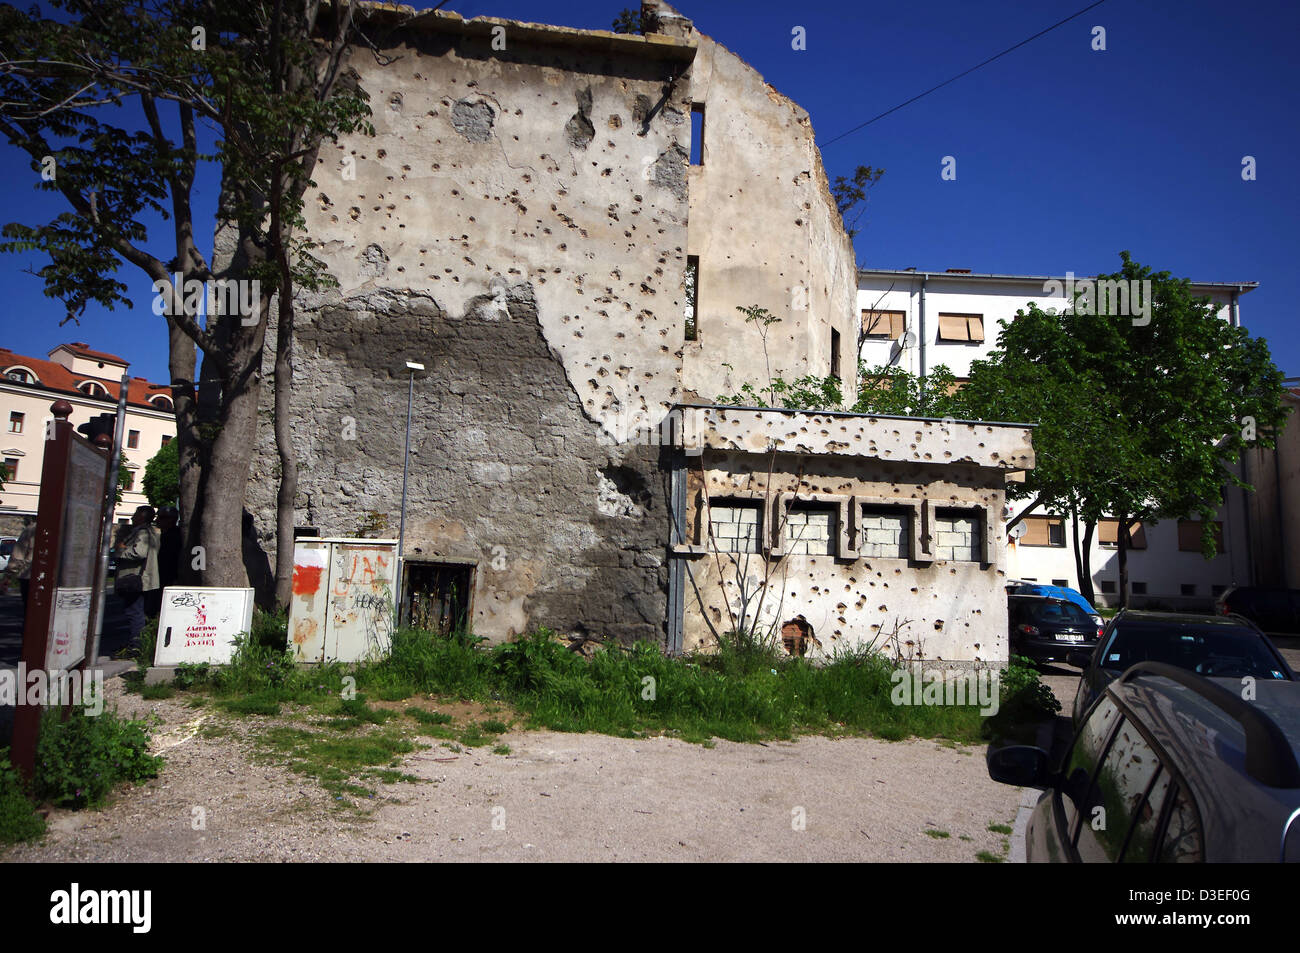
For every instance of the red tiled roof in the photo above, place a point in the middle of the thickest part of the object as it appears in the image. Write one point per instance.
(57, 378)
(80, 349)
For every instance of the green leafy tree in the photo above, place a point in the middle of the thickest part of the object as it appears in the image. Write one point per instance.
(850, 195)
(635, 20)
(267, 78)
(1140, 417)
(162, 476)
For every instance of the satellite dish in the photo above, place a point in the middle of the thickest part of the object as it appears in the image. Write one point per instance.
(1018, 530)
(906, 339)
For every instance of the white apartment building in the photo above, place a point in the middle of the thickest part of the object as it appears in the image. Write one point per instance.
(89, 380)
(917, 320)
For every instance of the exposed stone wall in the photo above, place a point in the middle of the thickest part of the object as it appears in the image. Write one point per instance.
(507, 472)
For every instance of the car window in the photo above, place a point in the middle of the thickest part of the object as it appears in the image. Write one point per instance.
(7, 547)
(1082, 760)
(1182, 840)
(1147, 821)
(1117, 791)
(1212, 651)
(1061, 613)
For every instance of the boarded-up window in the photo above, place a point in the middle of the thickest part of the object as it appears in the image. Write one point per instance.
(957, 535)
(882, 324)
(1189, 536)
(1108, 534)
(961, 327)
(1043, 531)
(883, 532)
(810, 529)
(734, 526)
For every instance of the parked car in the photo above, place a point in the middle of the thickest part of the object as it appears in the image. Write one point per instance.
(1273, 610)
(1019, 587)
(6, 550)
(1047, 630)
(1213, 646)
(1168, 766)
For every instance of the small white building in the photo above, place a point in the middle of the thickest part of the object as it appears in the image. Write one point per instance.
(917, 320)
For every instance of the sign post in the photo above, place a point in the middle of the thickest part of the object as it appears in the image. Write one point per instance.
(63, 578)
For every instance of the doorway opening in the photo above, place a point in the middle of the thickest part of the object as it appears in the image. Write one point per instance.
(436, 596)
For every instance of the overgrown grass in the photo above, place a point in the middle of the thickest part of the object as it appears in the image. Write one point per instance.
(740, 693)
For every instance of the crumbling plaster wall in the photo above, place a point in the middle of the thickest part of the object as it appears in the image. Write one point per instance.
(947, 610)
(518, 225)
(940, 608)
(767, 232)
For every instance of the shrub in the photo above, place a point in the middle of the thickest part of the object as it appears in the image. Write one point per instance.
(81, 758)
(18, 821)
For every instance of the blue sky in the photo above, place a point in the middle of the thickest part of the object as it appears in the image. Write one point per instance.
(1064, 155)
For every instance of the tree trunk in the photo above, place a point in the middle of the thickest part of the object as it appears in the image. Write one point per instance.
(230, 454)
(1085, 577)
(1074, 542)
(182, 362)
(284, 504)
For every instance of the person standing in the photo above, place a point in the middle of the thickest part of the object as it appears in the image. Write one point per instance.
(169, 551)
(137, 581)
(20, 562)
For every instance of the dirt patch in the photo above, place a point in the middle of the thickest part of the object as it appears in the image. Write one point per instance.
(555, 797)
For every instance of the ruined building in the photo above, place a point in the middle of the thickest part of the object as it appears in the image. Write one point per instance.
(537, 209)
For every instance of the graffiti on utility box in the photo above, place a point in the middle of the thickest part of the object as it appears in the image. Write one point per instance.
(342, 606)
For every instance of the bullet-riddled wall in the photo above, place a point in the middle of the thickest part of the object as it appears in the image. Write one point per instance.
(520, 224)
(862, 530)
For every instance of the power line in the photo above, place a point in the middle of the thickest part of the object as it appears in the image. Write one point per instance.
(960, 75)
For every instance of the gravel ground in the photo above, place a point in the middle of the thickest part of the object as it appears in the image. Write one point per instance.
(555, 797)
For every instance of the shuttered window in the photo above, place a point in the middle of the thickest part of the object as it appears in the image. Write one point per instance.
(882, 324)
(1043, 531)
(1189, 536)
(1108, 534)
(961, 327)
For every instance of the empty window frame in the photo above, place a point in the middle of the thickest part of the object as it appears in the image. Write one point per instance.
(811, 529)
(697, 133)
(735, 526)
(1189, 536)
(884, 532)
(835, 353)
(1043, 531)
(133, 439)
(958, 535)
(692, 297)
(16, 421)
(963, 328)
(1108, 534)
(887, 325)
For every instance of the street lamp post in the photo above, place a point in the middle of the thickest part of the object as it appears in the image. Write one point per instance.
(412, 366)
